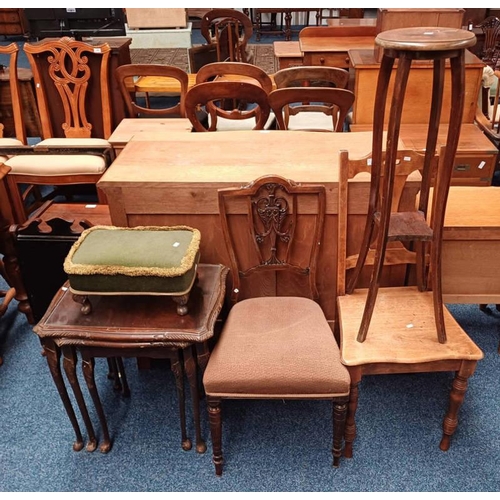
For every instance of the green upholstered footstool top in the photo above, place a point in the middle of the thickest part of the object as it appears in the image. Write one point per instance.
(144, 260)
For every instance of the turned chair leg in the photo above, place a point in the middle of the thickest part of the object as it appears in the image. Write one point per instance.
(215, 418)
(339, 419)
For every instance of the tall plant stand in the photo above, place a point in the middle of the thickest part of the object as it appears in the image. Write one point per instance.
(423, 227)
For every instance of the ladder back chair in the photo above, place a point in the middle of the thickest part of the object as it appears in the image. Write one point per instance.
(126, 76)
(274, 347)
(62, 72)
(210, 95)
(402, 334)
(310, 76)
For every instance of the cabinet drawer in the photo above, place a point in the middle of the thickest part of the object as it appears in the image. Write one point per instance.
(470, 169)
(336, 59)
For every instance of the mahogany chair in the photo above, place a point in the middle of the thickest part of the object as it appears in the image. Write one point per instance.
(310, 76)
(19, 138)
(227, 32)
(233, 71)
(402, 335)
(126, 75)
(274, 347)
(333, 102)
(210, 94)
(62, 72)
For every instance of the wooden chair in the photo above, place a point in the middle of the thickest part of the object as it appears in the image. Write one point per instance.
(12, 51)
(491, 46)
(293, 100)
(310, 76)
(402, 334)
(274, 347)
(227, 32)
(61, 74)
(229, 71)
(126, 74)
(210, 94)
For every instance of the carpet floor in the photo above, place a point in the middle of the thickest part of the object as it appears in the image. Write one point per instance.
(264, 57)
(268, 445)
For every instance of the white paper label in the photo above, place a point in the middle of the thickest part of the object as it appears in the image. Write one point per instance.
(176, 244)
(406, 158)
(481, 165)
(97, 50)
(90, 206)
(369, 162)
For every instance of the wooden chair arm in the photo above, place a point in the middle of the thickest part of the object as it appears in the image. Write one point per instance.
(485, 125)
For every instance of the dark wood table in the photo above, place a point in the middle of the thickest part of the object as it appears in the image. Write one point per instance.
(287, 30)
(131, 326)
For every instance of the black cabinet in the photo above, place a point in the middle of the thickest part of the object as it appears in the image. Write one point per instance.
(76, 23)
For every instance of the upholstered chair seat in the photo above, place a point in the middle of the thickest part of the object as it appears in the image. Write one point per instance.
(56, 165)
(273, 330)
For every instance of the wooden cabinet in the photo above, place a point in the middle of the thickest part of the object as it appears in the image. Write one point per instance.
(416, 108)
(13, 22)
(476, 155)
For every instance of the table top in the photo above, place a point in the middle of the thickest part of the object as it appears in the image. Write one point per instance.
(362, 57)
(336, 44)
(162, 127)
(352, 22)
(150, 320)
(233, 157)
(287, 49)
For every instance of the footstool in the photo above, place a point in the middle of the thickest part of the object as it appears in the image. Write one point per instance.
(144, 260)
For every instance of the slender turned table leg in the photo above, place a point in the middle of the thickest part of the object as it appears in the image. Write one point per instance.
(88, 373)
(192, 375)
(123, 377)
(457, 396)
(69, 364)
(177, 369)
(53, 356)
(350, 425)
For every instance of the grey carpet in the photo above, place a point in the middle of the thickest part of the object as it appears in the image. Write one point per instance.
(269, 446)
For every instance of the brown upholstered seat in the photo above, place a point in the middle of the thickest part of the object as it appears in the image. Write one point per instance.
(272, 330)
(274, 347)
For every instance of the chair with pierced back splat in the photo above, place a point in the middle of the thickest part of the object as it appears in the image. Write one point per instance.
(274, 347)
(62, 72)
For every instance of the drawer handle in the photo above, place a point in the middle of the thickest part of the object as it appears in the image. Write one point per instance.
(347, 60)
(322, 60)
(462, 167)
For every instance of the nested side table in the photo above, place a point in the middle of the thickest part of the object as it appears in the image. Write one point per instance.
(132, 326)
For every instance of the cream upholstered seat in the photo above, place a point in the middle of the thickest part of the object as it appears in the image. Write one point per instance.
(275, 347)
